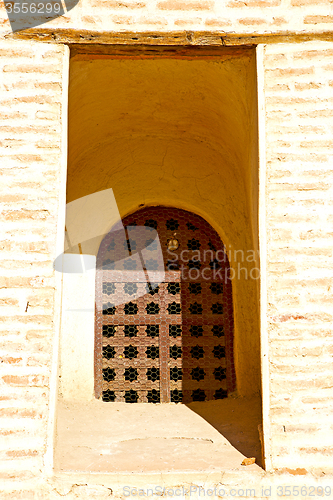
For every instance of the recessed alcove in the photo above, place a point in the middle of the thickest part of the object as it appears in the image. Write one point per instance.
(175, 129)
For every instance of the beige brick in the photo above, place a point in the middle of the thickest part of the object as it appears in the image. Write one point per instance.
(304, 3)
(185, 5)
(10, 360)
(318, 19)
(218, 23)
(250, 21)
(15, 52)
(301, 428)
(255, 3)
(279, 21)
(22, 494)
(25, 380)
(307, 86)
(29, 68)
(187, 22)
(21, 453)
(117, 5)
(291, 72)
(25, 214)
(13, 115)
(326, 450)
(125, 20)
(20, 413)
(313, 54)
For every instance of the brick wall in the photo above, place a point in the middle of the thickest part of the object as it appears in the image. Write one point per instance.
(31, 157)
(299, 211)
(299, 101)
(230, 16)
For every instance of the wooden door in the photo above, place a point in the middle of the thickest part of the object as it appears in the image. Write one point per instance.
(173, 342)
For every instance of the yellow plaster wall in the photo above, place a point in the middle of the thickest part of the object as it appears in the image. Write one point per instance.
(176, 132)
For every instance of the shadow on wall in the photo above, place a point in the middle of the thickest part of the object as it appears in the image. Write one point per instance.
(202, 437)
(237, 419)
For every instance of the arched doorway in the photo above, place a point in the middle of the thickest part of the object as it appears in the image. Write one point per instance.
(175, 342)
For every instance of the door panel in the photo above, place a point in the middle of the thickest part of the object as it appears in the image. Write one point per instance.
(172, 342)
